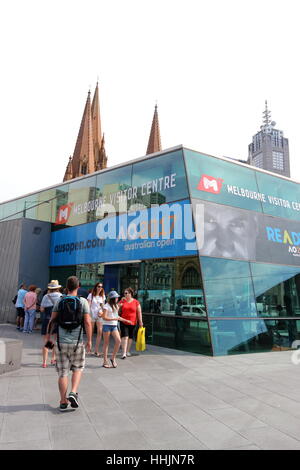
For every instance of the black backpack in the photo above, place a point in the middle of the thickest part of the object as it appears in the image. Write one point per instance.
(70, 316)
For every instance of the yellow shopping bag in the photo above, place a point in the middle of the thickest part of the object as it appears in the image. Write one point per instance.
(141, 340)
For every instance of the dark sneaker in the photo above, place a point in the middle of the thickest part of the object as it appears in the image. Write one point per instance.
(63, 406)
(73, 399)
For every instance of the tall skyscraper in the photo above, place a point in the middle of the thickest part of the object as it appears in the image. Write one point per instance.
(269, 150)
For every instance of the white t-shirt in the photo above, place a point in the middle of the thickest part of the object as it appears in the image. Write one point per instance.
(96, 302)
(113, 314)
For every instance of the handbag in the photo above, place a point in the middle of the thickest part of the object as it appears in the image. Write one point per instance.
(141, 339)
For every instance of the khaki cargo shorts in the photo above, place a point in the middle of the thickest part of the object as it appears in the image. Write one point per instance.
(67, 359)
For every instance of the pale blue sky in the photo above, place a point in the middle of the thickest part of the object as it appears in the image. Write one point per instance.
(210, 66)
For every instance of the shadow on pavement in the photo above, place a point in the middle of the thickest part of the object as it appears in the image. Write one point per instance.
(34, 407)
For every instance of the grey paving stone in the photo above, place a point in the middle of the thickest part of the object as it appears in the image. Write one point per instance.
(126, 394)
(129, 440)
(271, 439)
(27, 445)
(188, 415)
(280, 402)
(163, 399)
(236, 419)
(25, 426)
(79, 436)
(162, 429)
(184, 444)
(206, 401)
(111, 423)
(70, 417)
(141, 409)
(249, 447)
(217, 436)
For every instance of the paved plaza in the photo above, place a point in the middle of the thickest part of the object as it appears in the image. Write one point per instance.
(158, 399)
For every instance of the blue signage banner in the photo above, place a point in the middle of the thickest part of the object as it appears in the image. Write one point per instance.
(159, 232)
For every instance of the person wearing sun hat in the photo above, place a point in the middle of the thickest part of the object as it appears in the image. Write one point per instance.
(47, 304)
(110, 317)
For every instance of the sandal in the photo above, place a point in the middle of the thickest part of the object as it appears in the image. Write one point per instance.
(53, 362)
(107, 366)
(44, 366)
(97, 354)
(114, 364)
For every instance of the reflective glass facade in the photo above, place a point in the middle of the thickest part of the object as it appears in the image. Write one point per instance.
(211, 247)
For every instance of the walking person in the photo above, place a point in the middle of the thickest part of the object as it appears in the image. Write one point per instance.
(39, 297)
(110, 318)
(70, 313)
(130, 309)
(96, 300)
(48, 301)
(20, 306)
(30, 299)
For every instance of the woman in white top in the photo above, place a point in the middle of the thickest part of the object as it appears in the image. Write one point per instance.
(110, 319)
(96, 300)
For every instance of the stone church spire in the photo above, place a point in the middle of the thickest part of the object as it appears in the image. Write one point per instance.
(83, 157)
(98, 137)
(89, 153)
(154, 143)
(69, 170)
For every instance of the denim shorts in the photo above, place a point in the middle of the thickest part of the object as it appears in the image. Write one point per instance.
(109, 328)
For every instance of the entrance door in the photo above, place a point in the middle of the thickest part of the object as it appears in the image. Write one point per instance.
(129, 277)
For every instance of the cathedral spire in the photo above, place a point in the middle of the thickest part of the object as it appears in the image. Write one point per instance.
(97, 134)
(69, 170)
(98, 137)
(83, 156)
(154, 143)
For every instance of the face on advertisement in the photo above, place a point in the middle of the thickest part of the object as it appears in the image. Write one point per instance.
(229, 233)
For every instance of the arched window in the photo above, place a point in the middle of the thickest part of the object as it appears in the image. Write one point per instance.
(84, 169)
(190, 278)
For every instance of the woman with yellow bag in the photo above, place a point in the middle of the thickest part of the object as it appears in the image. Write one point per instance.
(129, 309)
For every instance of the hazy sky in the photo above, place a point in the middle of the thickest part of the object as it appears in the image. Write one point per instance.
(209, 64)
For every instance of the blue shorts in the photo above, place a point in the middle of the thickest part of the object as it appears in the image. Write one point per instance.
(109, 328)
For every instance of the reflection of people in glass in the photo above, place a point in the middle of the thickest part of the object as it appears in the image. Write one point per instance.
(229, 232)
(178, 323)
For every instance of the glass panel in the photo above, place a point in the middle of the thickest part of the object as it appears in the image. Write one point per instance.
(62, 273)
(246, 336)
(46, 205)
(9, 210)
(61, 210)
(178, 333)
(228, 288)
(228, 232)
(82, 195)
(159, 180)
(282, 196)
(114, 188)
(90, 274)
(172, 286)
(223, 182)
(277, 290)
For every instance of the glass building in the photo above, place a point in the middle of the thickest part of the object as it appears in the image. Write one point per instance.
(211, 247)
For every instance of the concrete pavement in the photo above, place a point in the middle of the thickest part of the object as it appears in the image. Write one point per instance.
(158, 399)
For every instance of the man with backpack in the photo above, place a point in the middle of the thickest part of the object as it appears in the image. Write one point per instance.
(70, 314)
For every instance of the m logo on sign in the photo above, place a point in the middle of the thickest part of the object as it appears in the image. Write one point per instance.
(63, 214)
(210, 184)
